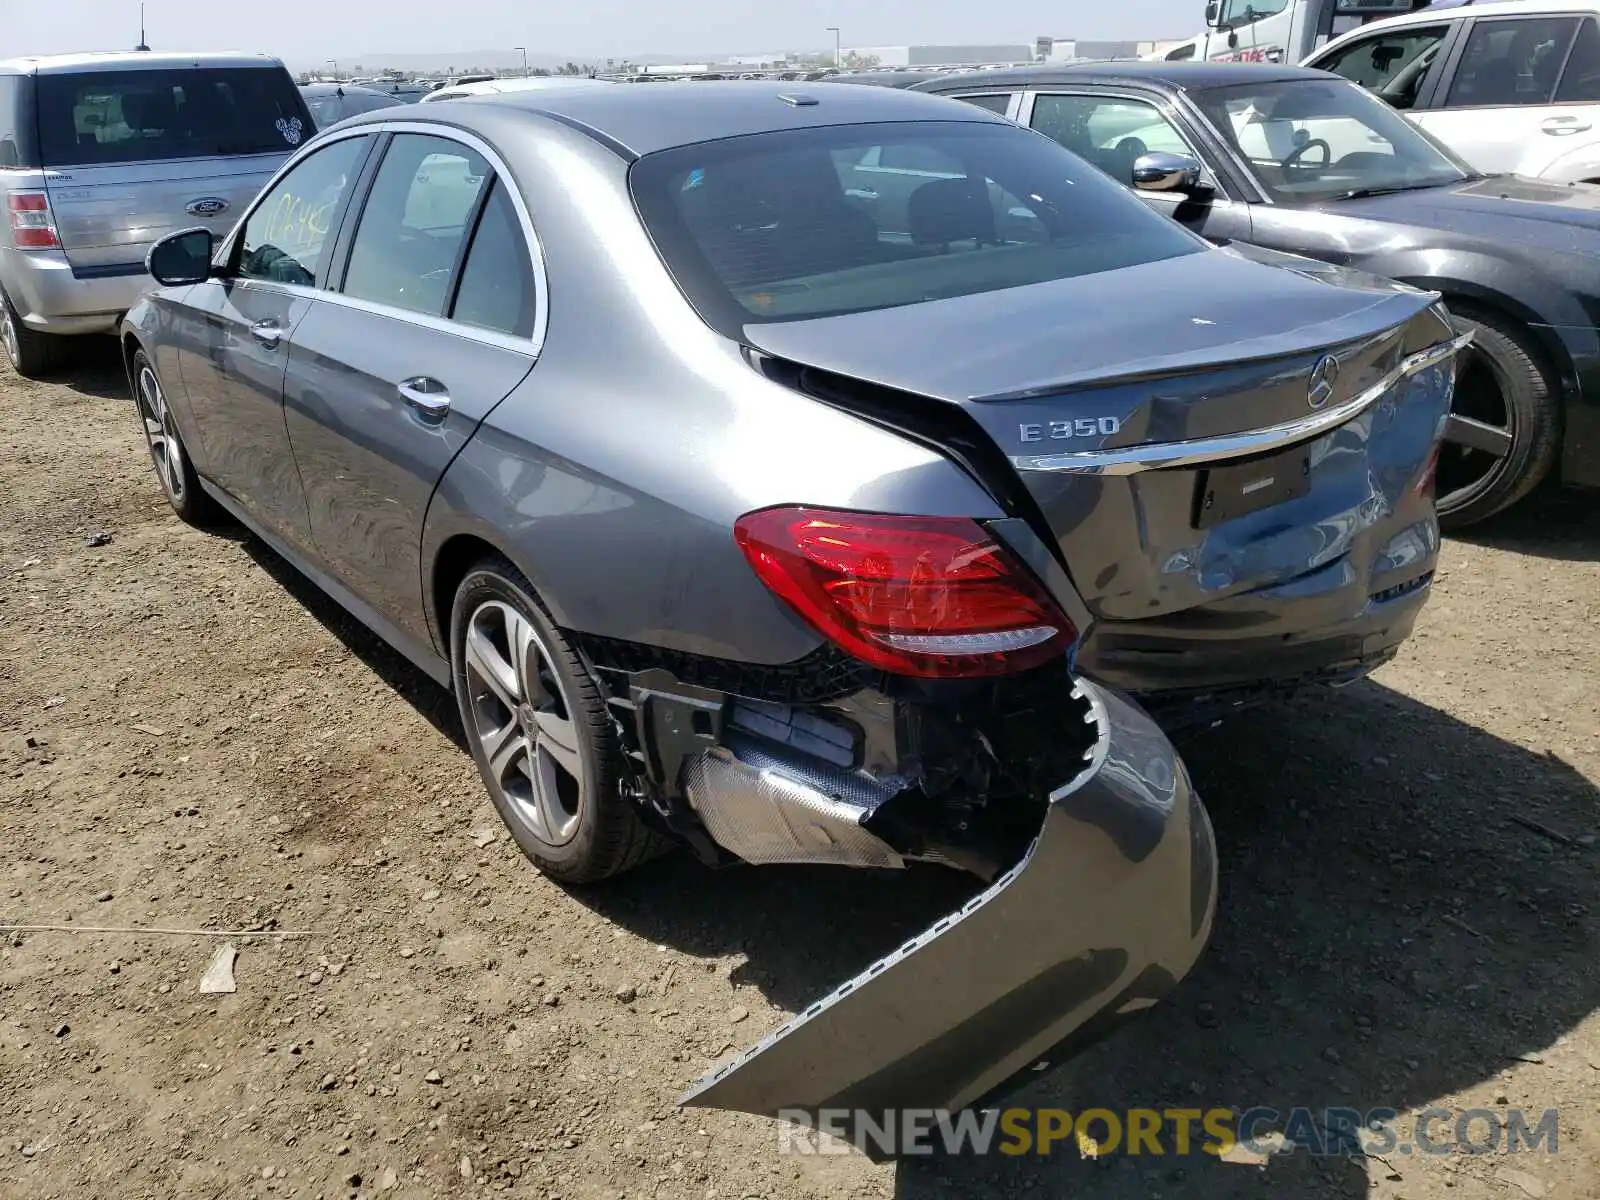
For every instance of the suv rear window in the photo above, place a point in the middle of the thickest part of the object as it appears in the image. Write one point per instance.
(816, 222)
(147, 115)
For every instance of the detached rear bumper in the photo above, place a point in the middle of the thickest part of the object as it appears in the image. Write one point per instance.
(1108, 909)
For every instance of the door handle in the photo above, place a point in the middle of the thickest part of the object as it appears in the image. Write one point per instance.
(427, 397)
(269, 333)
(1561, 126)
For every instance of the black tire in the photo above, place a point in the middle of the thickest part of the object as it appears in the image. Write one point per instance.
(32, 354)
(1504, 384)
(608, 835)
(177, 477)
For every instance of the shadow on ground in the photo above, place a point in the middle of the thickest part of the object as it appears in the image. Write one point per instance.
(1552, 523)
(96, 370)
(1386, 934)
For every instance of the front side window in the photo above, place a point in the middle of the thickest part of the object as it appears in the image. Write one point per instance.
(1237, 13)
(415, 223)
(287, 236)
(1110, 133)
(1394, 64)
(807, 223)
(1508, 63)
(1313, 140)
(92, 117)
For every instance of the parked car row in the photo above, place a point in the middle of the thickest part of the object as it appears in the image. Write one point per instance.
(1300, 161)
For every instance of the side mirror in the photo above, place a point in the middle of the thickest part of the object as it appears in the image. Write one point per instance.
(181, 258)
(1161, 171)
(1213, 11)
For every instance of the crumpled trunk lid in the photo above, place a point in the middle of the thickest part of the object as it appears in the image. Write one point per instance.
(1108, 909)
(1189, 429)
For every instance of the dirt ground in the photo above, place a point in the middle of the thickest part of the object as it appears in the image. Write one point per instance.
(190, 735)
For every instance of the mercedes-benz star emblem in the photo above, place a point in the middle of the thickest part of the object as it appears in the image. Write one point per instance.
(1323, 376)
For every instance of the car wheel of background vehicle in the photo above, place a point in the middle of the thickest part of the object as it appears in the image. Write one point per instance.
(31, 354)
(540, 733)
(1504, 431)
(173, 468)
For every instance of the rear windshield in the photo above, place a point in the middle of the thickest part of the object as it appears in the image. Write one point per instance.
(849, 218)
(145, 115)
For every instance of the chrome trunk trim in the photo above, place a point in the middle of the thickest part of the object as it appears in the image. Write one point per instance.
(1129, 460)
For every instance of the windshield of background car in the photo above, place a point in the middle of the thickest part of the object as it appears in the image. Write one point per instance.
(815, 222)
(146, 115)
(1308, 140)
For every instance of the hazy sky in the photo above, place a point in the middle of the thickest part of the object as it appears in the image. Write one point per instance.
(316, 29)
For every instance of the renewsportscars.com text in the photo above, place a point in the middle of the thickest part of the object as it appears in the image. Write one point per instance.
(1169, 1131)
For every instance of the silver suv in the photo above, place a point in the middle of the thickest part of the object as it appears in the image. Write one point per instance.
(103, 154)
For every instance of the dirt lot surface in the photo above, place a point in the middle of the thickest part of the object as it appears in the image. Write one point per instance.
(190, 735)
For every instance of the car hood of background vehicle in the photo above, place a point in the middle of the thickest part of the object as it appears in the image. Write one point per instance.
(1504, 209)
(1209, 309)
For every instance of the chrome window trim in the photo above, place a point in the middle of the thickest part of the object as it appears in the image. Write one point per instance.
(1130, 460)
(532, 344)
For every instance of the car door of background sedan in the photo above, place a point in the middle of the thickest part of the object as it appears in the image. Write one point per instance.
(1520, 92)
(427, 327)
(232, 360)
(1111, 130)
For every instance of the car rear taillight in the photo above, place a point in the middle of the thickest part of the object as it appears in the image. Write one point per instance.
(33, 227)
(934, 597)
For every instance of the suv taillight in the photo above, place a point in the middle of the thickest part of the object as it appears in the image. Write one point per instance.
(33, 227)
(934, 597)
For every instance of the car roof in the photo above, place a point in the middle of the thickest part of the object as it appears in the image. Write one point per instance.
(134, 60)
(1469, 8)
(347, 89)
(498, 87)
(897, 79)
(641, 120)
(1179, 76)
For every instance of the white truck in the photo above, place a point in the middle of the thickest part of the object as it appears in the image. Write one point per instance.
(1284, 30)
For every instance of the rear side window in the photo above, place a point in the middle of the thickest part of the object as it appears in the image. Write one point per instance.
(415, 223)
(995, 102)
(150, 115)
(1580, 79)
(496, 290)
(1511, 62)
(16, 144)
(814, 222)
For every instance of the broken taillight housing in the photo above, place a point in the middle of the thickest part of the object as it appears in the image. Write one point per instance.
(33, 226)
(934, 597)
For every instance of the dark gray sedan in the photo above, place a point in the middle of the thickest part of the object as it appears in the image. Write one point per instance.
(1305, 162)
(797, 475)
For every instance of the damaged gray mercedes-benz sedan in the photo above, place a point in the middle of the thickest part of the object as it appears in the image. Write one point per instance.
(832, 476)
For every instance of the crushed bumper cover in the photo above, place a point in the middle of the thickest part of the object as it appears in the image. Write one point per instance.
(1108, 909)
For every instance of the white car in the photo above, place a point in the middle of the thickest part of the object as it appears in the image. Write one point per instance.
(1512, 87)
(494, 87)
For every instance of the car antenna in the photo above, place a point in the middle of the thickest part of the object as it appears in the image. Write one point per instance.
(143, 45)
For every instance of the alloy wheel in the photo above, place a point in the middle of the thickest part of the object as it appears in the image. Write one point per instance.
(8, 334)
(166, 451)
(1479, 433)
(522, 721)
